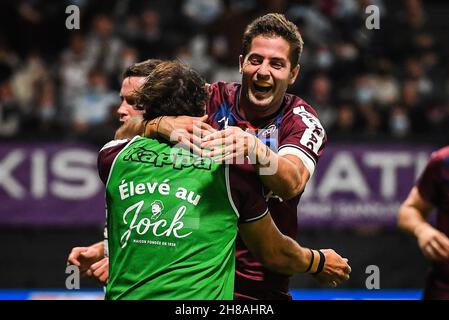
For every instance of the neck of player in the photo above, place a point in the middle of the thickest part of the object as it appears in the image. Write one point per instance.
(252, 112)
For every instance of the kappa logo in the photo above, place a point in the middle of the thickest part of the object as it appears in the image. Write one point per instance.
(156, 209)
(178, 158)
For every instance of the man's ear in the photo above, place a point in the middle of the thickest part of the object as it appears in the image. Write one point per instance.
(241, 63)
(294, 74)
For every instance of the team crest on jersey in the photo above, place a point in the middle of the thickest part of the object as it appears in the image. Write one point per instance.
(157, 208)
(269, 136)
(267, 132)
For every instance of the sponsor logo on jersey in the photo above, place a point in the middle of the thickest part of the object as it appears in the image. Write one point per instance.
(162, 228)
(178, 158)
(157, 207)
(267, 132)
(314, 134)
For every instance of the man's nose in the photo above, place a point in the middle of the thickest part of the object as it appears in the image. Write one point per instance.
(121, 109)
(263, 72)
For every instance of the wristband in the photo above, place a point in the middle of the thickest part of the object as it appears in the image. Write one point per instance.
(321, 263)
(153, 128)
(311, 261)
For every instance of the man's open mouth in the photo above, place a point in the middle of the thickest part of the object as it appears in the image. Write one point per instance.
(262, 86)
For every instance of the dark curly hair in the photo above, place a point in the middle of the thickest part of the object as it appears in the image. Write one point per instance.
(141, 69)
(274, 24)
(172, 89)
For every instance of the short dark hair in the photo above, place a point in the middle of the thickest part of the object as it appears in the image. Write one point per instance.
(173, 89)
(141, 69)
(274, 24)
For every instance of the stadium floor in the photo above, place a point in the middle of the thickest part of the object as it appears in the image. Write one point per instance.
(315, 294)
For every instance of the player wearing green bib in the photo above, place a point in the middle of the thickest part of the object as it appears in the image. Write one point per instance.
(172, 225)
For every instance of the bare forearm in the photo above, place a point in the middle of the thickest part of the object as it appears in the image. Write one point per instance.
(411, 219)
(284, 255)
(275, 250)
(292, 258)
(278, 173)
(413, 212)
(286, 182)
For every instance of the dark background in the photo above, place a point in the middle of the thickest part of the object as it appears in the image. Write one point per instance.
(36, 258)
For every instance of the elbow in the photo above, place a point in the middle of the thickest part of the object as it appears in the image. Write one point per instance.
(271, 261)
(294, 186)
(290, 193)
(276, 266)
(292, 190)
(268, 260)
(402, 218)
(269, 264)
(280, 267)
(279, 262)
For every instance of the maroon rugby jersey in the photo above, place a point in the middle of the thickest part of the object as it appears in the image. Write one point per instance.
(295, 130)
(433, 186)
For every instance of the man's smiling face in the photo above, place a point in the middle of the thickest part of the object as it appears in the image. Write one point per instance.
(266, 73)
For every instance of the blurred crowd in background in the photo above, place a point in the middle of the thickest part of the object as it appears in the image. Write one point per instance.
(60, 84)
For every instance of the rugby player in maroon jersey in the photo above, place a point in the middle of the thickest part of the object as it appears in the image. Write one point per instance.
(431, 192)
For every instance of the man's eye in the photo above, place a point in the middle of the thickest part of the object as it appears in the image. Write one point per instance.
(254, 61)
(131, 102)
(137, 106)
(277, 65)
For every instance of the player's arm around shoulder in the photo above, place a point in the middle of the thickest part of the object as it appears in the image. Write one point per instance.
(286, 175)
